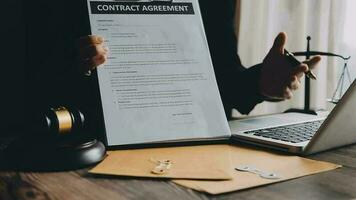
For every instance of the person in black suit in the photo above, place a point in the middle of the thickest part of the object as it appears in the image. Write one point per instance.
(61, 49)
(240, 88)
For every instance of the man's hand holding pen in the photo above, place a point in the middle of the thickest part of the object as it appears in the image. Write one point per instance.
(279, 75)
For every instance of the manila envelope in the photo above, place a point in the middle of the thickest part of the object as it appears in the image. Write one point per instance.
(285, 166)
(189, 162)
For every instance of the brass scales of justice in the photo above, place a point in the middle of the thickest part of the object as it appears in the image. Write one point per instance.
(345, 74)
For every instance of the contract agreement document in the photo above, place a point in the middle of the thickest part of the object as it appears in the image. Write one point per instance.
(158, 84)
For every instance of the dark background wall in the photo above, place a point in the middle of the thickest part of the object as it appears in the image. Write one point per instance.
(12, 55)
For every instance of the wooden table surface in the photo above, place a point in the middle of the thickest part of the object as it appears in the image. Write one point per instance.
(335, 184)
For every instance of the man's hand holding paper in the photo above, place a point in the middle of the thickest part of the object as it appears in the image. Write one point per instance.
(91, 52)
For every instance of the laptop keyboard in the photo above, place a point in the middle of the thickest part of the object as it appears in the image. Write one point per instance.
(290, 133)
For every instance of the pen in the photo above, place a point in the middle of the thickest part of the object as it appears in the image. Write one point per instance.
(295, 62)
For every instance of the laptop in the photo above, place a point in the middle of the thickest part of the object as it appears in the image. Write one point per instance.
(302, 133)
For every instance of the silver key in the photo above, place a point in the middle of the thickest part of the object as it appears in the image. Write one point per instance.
(254, 170)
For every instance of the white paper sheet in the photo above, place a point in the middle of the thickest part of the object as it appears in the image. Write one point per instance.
(158, 83)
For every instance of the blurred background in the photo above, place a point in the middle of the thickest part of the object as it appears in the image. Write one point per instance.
(331, 25)
(12, 56)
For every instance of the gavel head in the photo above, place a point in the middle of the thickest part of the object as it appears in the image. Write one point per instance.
(59, 121)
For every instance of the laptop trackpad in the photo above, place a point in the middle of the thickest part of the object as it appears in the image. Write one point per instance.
(269, 121)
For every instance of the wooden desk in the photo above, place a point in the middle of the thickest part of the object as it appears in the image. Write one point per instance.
(336, 184)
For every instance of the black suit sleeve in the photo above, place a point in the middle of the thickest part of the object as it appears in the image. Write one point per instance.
(51, 71)
(238, 86)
